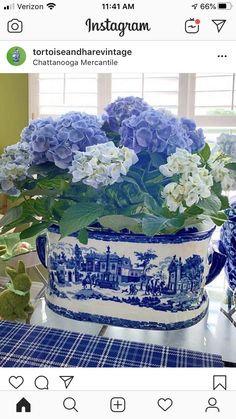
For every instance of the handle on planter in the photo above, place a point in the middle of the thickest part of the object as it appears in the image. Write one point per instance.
(217, 261)
(41, 248)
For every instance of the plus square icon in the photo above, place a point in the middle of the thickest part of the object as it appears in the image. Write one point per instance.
(117, 404)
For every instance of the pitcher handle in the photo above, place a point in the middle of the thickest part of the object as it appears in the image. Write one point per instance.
(41, 248)
(216, 259)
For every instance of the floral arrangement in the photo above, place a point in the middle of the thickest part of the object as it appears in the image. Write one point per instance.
(135, 169)
(226, 143)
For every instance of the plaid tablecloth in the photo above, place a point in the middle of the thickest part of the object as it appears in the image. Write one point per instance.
(23, 345)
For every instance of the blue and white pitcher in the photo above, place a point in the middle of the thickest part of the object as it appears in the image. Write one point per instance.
(130, 280)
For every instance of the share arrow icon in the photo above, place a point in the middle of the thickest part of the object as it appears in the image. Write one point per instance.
(219, 24)
(67, 379)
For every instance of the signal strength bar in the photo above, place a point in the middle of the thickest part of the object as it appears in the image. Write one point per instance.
(9, 7)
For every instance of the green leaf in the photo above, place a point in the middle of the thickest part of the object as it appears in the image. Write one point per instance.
(205, 153)
(219, 218)
(211, 204)
(75, 191)
(11, 215)
(157, 159)
(151, 204)
(83, 236)
(132, 191)
(42, 169)
(166, 213)
(160, 225)
(58, 183)
(33, 230)
(17, 223)
(224, 202)
(79, 216)
(120, 222)
(154, 180)
(59, 207)
(216, 188)
(42, 206)
(231, 166)
(194, 210)
(153, 225)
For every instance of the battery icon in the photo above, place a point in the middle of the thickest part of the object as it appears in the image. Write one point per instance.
(225, 6)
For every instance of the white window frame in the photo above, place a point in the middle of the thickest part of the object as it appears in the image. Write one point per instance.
(186, 100)
(187, 87)
(33, 96)
(104, 90)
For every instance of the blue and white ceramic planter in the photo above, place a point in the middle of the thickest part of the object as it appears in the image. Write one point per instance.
(228, 246)
(130, 280)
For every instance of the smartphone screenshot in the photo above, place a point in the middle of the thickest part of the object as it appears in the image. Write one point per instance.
(117, 209)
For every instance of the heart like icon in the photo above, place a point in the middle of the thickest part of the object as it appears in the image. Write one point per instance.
(165, 404)
(16, 382)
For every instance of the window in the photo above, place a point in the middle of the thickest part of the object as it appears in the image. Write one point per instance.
(215, 95)
(208, 98)
(59, 93)
(215, 104)
(159, 90)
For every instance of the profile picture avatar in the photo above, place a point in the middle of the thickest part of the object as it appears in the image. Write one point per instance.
(15, 26)
(16, 56)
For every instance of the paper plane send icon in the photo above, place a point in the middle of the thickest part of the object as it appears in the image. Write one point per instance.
(67, 380)
(219, 23)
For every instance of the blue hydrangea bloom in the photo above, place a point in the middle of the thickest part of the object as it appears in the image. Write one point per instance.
(159, 131)
(56, 140)
(196, 135)
(226, 143)
(123, 108)
(14, 164)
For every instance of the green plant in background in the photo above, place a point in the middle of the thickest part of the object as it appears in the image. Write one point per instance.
(136, 169)
(12, 246)
(3, 250)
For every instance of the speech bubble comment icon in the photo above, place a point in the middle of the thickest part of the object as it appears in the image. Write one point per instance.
(41, 383)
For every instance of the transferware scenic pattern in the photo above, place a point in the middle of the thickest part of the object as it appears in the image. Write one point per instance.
(142, 279)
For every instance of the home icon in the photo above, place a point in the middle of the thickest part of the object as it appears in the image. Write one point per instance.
(23, 406)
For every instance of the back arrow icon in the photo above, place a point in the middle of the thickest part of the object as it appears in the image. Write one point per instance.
(219, 23)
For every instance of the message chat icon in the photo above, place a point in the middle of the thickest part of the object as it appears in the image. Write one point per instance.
(41, 383)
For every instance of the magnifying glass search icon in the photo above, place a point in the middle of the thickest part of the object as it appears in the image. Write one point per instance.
(70, 404)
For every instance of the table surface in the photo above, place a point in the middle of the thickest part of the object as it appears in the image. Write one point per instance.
(24, 345)
(214, 334)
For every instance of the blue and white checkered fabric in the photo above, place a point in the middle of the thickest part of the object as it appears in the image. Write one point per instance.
(23, 345)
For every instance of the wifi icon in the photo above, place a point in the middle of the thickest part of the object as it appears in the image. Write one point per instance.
(51, 5)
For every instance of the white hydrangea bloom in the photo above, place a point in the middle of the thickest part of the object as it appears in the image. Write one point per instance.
(221, 174)
(102, 164)
(173, 194)
(14, 165)
(194, 182)
(196, 186)
(180, 162)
